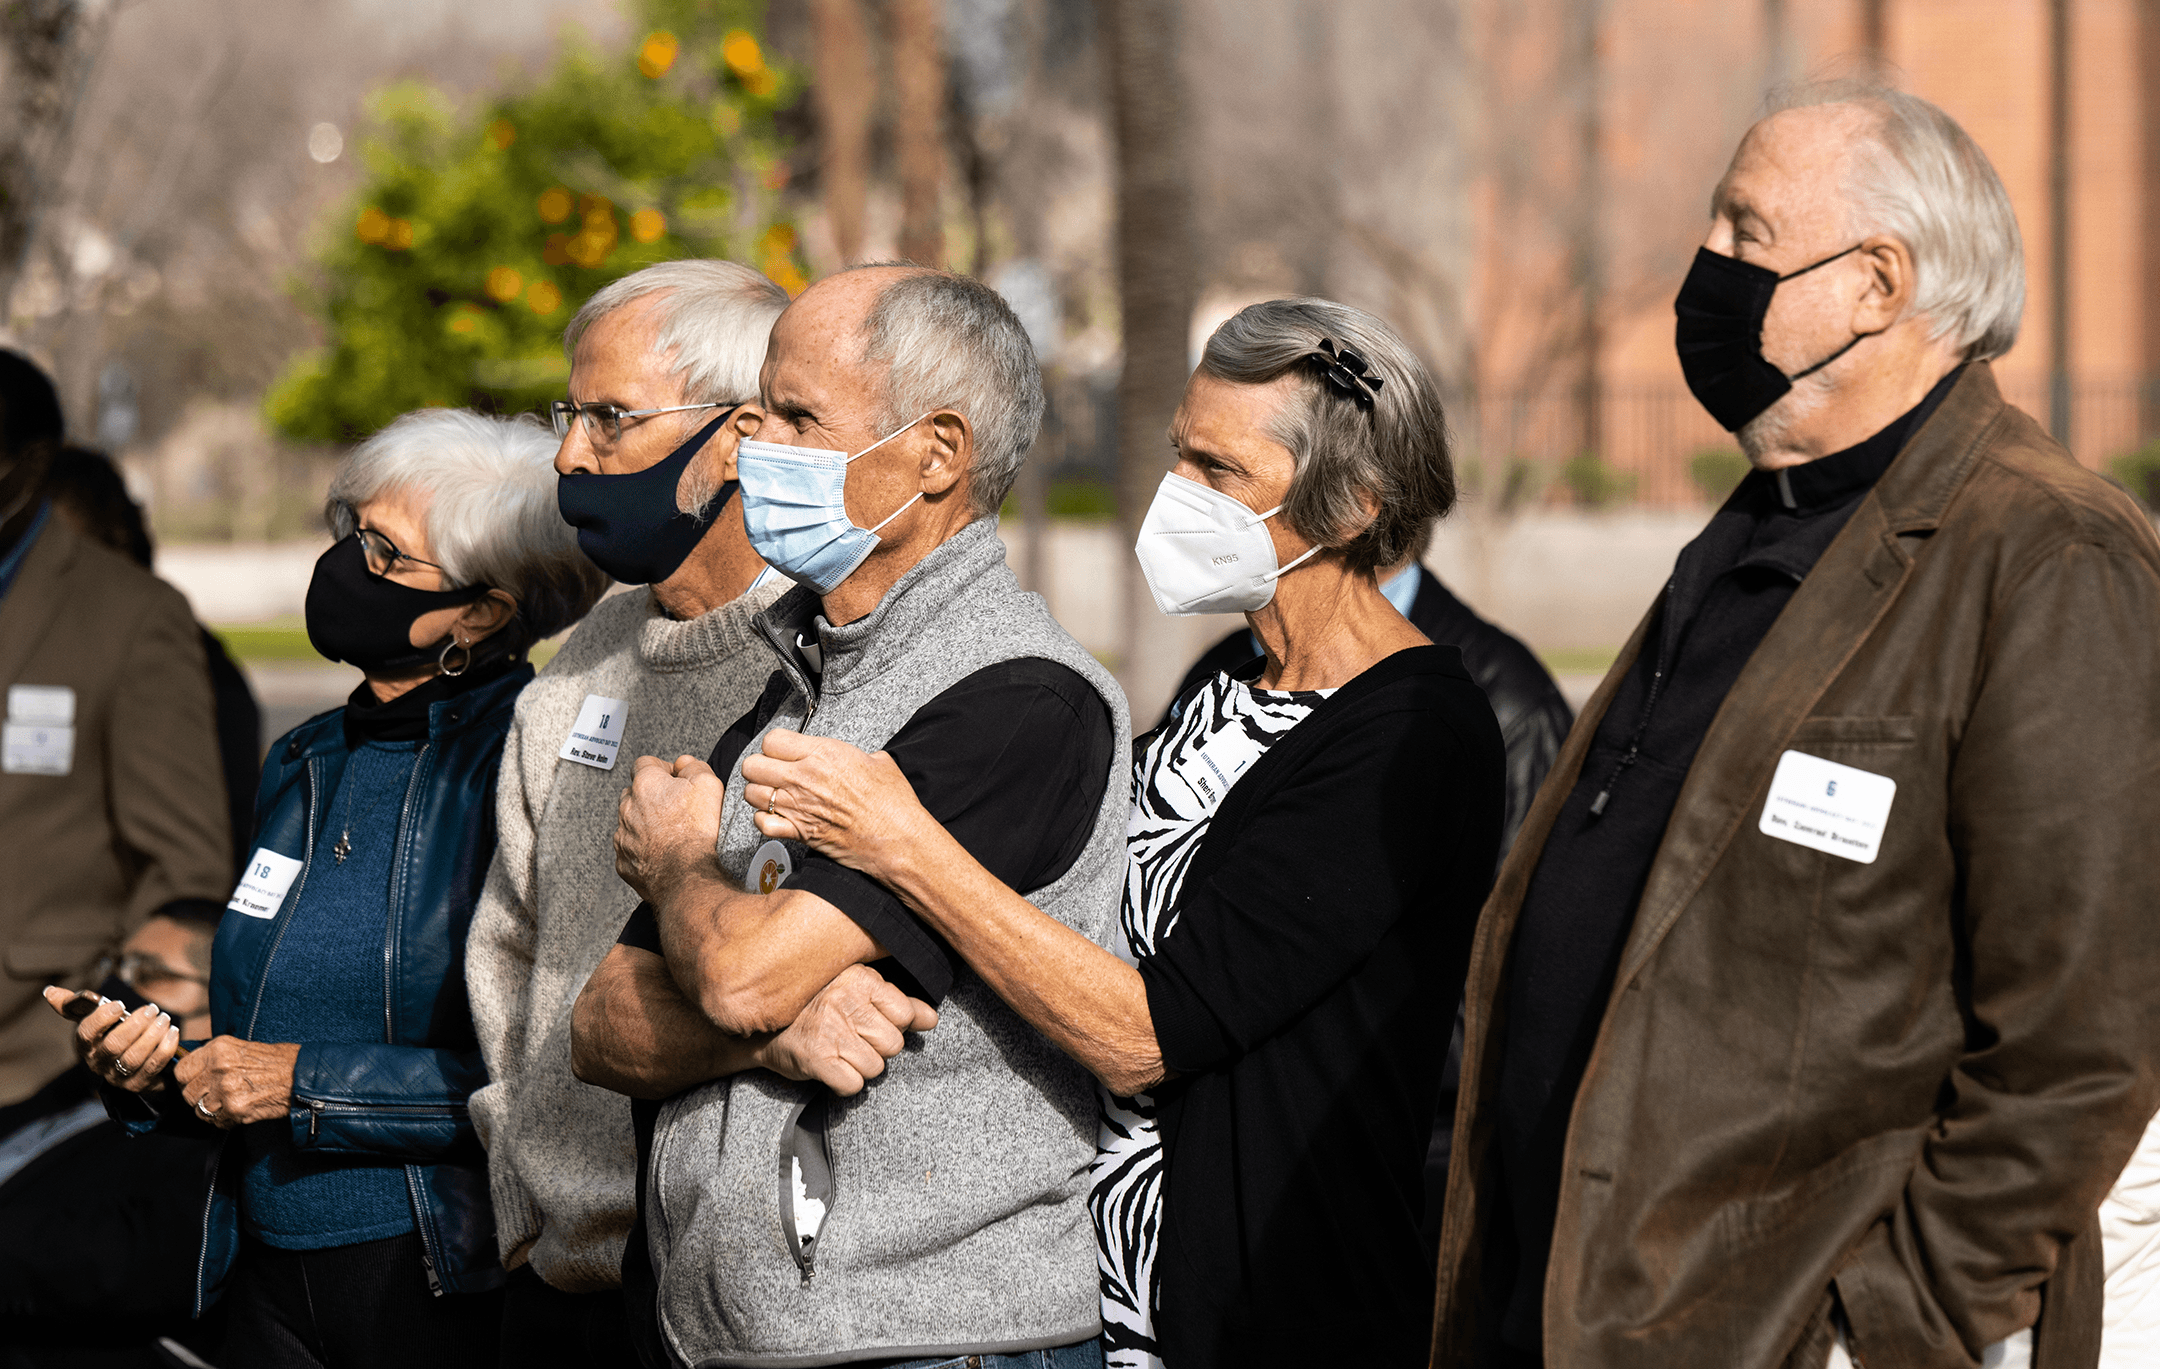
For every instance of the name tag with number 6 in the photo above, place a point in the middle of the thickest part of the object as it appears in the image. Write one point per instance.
(1828, 807)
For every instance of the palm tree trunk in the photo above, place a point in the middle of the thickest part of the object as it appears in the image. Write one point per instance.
(1157, 289)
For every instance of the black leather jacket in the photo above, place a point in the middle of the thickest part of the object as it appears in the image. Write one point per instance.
(402, 1098)
(1534, 717)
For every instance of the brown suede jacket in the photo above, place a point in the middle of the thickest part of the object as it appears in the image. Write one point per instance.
(1901, 1087)
(138, 822)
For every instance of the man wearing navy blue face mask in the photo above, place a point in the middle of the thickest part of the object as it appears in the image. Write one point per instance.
(932, 1206)
(1811, 1014)
(660, 360)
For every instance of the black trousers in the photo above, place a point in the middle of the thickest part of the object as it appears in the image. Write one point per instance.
(544, 1326)
(352, 1307)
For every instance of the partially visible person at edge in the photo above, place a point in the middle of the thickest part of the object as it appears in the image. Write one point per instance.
(1534, 719)
(646, 472)
(1813, 1014)
(348, 1223)
(1309, 841)
(939, 1214)
(108, 764)
(99, 1229)
(89, 495)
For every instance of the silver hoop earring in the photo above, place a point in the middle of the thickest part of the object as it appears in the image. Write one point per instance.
(442, 662)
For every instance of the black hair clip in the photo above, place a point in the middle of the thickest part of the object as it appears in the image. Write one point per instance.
(1347, 372)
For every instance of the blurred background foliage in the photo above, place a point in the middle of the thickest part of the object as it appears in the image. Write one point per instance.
(479, 229)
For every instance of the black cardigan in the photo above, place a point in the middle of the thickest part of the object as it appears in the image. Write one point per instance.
(1304, 998)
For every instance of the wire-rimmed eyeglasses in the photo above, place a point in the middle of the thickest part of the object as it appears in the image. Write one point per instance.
(607, 419)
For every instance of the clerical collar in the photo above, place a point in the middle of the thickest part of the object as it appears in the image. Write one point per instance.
(1836, 478)
(405, 718)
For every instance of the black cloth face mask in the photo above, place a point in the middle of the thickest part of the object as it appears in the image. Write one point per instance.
(357, 616)
(629, 525)
(1721, 307)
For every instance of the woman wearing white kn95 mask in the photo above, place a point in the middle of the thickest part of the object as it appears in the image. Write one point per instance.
(1310, 839)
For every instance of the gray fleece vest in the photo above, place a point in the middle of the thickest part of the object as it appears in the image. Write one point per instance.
(958, 1213)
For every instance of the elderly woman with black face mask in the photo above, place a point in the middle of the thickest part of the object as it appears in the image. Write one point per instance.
(1311, 837)
(348, 1221)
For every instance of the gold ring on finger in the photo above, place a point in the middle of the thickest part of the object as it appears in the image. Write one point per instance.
(770, 800)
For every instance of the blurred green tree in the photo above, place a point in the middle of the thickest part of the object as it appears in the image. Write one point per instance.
(479, 231)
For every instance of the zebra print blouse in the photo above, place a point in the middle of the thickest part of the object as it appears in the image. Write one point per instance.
(1179, 781)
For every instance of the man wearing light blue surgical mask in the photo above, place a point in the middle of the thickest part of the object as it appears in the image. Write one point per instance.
(895, 407)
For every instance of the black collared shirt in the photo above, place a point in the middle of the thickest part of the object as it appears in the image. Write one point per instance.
(1727, 589)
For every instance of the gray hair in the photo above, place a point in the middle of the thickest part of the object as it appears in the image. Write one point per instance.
(949, 342)
(1923, 180)
(711, 321)
(1395, 454)
(491, 514)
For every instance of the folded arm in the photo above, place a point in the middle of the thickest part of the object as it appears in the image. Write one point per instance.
(634, 1031)
(860, 810)
(749, 962)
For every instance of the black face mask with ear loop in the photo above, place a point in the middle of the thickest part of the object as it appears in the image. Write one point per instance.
(630, 525)
(362, 619)
(1721, 308)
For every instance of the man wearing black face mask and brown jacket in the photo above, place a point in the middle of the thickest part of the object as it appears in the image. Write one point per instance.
(1811, 1016)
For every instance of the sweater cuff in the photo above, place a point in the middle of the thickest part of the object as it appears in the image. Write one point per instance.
(1186, 1033)
(517, 1216)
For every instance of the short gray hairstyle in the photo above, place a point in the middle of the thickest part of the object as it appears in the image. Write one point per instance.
(491, 513)
(1923, 180)
(949, 342)
(1394, 453)
(712, 324)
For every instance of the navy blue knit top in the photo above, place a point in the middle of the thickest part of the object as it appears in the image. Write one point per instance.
(325, 983)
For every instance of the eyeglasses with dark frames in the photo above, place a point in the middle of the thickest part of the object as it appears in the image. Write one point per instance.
(383, 555)
(139, 970)
(607, 419)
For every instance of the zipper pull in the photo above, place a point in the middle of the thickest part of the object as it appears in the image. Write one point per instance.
(427, 1262)
(809, 1260)
(1597, 805)
(314, 1116)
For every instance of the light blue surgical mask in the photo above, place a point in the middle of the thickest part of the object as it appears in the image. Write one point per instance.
(794, 503)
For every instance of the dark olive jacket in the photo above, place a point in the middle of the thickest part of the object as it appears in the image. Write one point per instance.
(1910, 1081)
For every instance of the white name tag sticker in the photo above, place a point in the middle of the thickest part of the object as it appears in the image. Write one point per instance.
(1827, 806)
(597, 734)
(1217, 765)
(36, 749)
(770, 867)
(47, 705)
(262, 887)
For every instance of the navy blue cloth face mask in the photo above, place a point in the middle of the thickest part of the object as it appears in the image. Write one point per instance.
(1721, 308)
(629, 525)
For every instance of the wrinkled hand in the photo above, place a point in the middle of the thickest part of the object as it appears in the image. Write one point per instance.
(229, 1081)
(668, 823)
(128, 1050)
(843, 1036)
(854, 808)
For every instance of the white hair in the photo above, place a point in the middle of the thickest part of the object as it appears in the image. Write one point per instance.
(1922, 179)
(491, 514)
(949, 342)
(711, 323)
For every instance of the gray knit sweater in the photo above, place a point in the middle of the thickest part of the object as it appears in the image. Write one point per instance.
(960, 1177)
(560, 1157)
